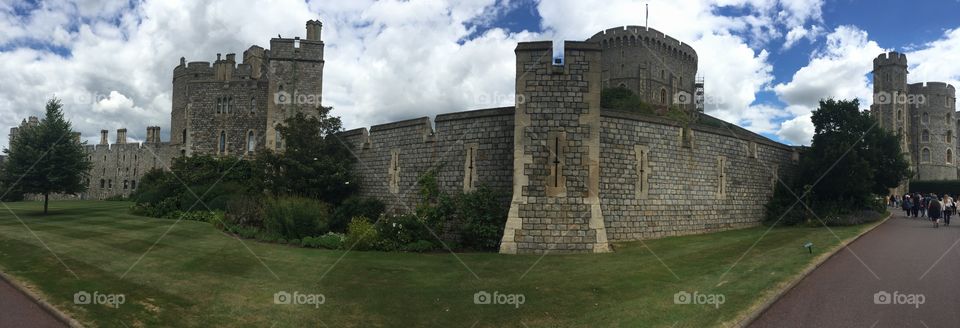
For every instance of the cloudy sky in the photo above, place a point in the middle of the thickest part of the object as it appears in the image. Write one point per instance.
(766, 63)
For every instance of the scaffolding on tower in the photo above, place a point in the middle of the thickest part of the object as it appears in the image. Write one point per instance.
(698, 97)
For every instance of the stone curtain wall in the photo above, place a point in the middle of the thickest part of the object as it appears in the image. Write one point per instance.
(392, 157)
(683, 180)
(119, 163)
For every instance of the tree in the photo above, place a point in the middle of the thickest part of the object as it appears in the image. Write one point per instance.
(314, 162)
(621, 98)
(851, 158)
(46, 158)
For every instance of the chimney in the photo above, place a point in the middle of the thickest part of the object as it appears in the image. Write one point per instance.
(218, 57)
(103, 137)
(121, 136)
(156, 134)
(232, 57)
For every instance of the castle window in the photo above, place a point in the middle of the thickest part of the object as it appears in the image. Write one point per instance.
(133, 184)
(219, 105)
(393, 172)
(251, 142)
(949, 136)
(229, 103)
(643, 171)
(223, 142)
(949, 118)
(949, 156)
(899, 115)
(279, 140)
(663, 96)
(470, 167)
(925, 155)
(924, 118)
(102, 183)
(925, 136)
(110, 183)
(721, 177)
(126, 184)
(663, 75)
(253, 105)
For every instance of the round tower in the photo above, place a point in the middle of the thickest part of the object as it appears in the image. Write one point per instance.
(650, 63)
(932, 107)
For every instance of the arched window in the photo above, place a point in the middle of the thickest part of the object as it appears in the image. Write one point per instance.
(899, 115)
(925, 136)
(279, 141)
(924, 118)
(183, 136)
(223, 142)
(251, 141)
(949, 156)
(925, 155)
(663, 96)
(219, 105)
(253, 105)
(950, 136)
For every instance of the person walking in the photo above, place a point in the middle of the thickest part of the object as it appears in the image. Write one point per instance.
(948, 207)
(906, 205)
(915, 205)
(934, 210)
(924, 206)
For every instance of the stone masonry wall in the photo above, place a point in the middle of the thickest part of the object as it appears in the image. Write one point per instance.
(683, 180)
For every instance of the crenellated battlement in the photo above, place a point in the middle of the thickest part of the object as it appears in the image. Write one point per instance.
(637, 35)
(890, 58)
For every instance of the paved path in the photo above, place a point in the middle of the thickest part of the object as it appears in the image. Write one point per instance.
(18, 310)
(909, 259)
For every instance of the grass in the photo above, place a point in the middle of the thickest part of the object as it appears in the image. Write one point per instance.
(198, 277)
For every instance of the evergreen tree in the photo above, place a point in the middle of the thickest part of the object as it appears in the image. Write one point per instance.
(46, 158)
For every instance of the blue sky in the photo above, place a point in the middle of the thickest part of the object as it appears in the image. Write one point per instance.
(766, 62)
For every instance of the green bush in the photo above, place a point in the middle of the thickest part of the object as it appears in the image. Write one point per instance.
(353, 207)
(361, 234)
(419, 246)
(116, 198)
(200, 216)
(245, 210)
(483, 214)
(394, 232)
(331, 240)
(295, 217)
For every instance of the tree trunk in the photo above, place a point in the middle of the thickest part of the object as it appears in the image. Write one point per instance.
(46, 200)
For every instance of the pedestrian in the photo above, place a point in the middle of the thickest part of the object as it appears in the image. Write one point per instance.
(906, 205)
(924, 206)
(934, 210)
(915, 205)
(948, 207)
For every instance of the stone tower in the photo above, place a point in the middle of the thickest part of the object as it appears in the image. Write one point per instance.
(932, 126)
(653, 65)
(890, 84)
(556, 205)
(295, 72)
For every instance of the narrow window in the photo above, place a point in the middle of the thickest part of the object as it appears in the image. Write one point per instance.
(925, 118)
(223, 142)
(219, 105)
(253, 105)
(721, 177)
(279, 141)
(949, 136)
(949, 156)
(126, 184)
(470, 167)
(102, 183)
(925, 155)
(925, 136)
(133, 184)
(393, 171)
(753, 150)
(110, 183)
(556, 183)
(183, 136)
(663, 96)
(643, 171)
(251, 142)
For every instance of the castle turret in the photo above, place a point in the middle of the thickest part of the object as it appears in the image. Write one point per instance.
(104, 137)
(122, 136)
(313, 30)
(296, 79)
(932, 125)
(889, 85)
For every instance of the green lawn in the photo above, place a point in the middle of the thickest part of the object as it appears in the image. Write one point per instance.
(198, 277)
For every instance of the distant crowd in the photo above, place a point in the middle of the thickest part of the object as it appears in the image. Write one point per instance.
(937, 209)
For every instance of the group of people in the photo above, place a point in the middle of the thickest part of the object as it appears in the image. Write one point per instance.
(938, 209)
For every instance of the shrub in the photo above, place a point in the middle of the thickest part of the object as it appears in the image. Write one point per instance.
(116, 198)
(483, 214)
(245, 210)
(331, 240)
(295, 242)
(353, 207)
(361, 234)
(396, 231)
(295, 217)
(420, 246)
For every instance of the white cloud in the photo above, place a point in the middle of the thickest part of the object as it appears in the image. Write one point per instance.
(938, 60)
(839, 70)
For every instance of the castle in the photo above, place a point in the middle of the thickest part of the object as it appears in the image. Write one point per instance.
(578, 177)
(922, 116)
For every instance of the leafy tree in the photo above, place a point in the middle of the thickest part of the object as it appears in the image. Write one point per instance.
(855, 158)
(46, 158)
(314, 162)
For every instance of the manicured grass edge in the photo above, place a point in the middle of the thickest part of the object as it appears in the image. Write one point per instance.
(36, 298)
(763, 304)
